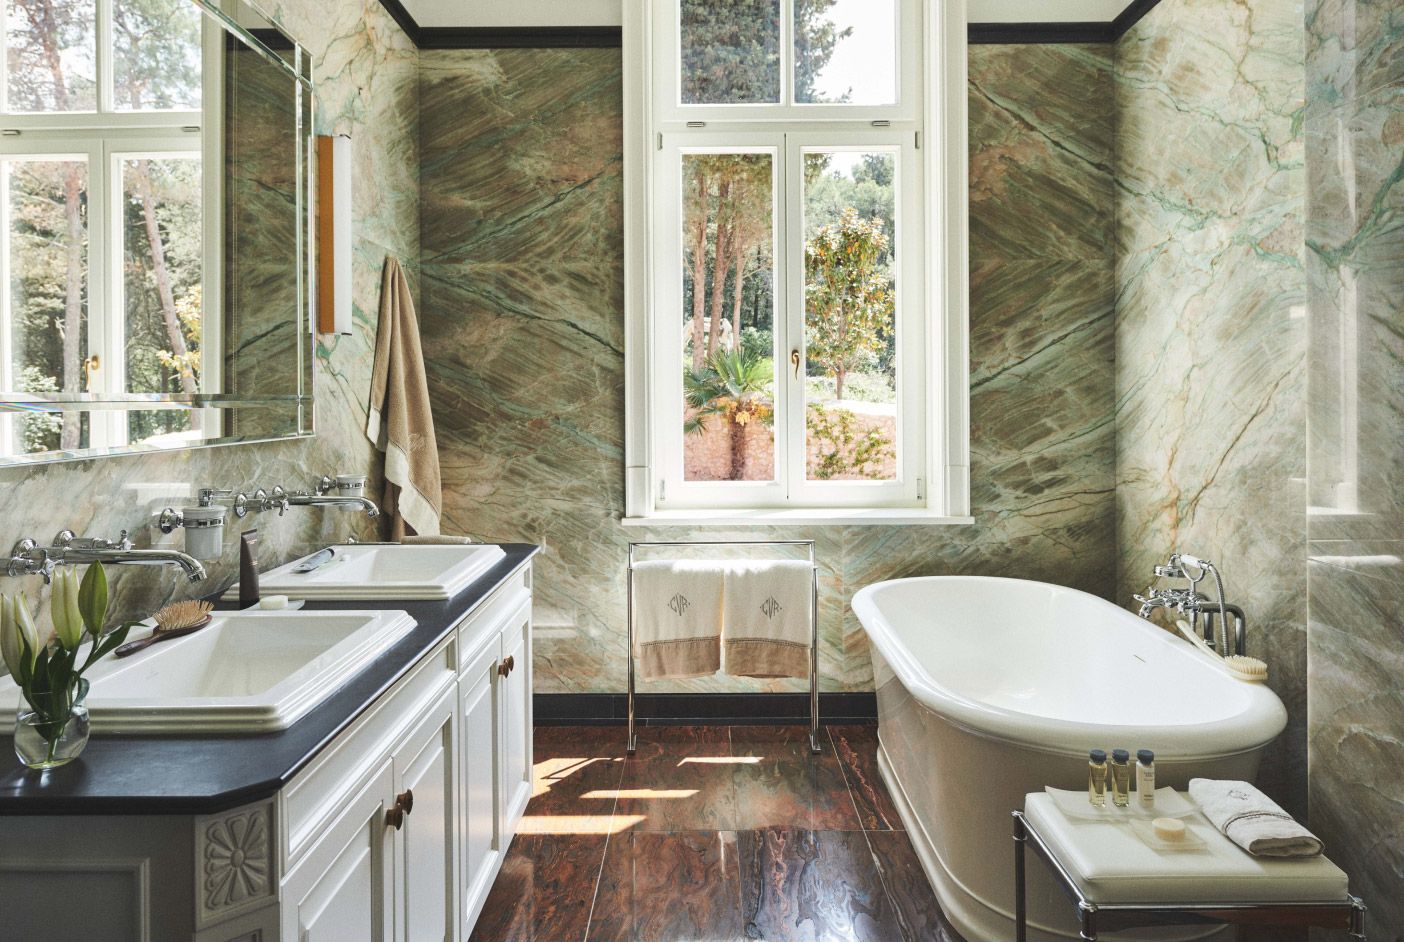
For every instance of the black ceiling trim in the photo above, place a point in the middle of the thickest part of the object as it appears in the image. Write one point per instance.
(400, 15)
(520, 37)
(1130, 16)
(1021, 33)
(580, 37)
(986, 34)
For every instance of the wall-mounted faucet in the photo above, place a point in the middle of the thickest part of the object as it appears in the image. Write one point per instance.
(322, 497)
(28, 558)
(1189, 602)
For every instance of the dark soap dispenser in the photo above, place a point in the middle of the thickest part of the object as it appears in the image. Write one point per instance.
(248, 569)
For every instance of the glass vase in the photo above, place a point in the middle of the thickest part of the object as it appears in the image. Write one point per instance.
(56, 736)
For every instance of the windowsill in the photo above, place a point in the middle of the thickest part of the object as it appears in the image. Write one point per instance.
(837, 516)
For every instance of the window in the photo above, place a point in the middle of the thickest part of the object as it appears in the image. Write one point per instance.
(103, 249)
(797, 344)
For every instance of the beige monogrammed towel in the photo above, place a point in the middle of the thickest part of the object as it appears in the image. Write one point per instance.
(768, 625)
(677, 618)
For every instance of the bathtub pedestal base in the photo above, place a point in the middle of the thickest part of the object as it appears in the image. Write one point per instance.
(1094, 918)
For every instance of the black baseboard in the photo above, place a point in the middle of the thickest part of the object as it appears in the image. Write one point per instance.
(746, 709)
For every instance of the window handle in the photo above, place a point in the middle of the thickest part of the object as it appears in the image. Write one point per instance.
(795, 361)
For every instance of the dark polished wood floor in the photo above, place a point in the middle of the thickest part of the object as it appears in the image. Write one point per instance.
(710, 834)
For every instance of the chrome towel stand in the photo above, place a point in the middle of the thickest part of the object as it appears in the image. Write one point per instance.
(808, 545)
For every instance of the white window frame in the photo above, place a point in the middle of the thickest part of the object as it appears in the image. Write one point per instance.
(104, 139)
(928, 124)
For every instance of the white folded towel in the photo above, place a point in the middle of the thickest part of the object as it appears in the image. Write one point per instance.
(677, 618)
(768, 625)
(1252, 820)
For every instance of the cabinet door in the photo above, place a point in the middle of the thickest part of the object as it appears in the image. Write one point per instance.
(425, 771)
(479, 726)
(516, 718)
(342, 891)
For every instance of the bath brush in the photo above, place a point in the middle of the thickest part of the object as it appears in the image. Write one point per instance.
(1244, 668)
(172, 621)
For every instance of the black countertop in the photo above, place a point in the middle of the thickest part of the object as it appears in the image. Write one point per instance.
(206, 773)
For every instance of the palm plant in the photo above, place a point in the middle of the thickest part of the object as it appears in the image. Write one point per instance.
(733, 386)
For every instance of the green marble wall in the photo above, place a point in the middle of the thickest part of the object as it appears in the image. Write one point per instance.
(1210, 329)
(523, 326)
(365, 70)
(1355, 381)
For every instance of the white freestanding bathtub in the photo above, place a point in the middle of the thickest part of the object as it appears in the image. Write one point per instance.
(989, 689)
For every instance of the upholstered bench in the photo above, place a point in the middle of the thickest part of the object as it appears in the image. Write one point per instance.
(1116, 881)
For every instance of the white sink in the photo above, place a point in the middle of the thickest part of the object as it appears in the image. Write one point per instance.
(244, 672)
(395, 572)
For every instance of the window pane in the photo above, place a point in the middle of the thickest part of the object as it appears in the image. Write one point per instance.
(730, 52)
(849, 317)
(51, 55)
(846, 51)
(728, 356)
(48, 274)
(156, 55)
(161, 284)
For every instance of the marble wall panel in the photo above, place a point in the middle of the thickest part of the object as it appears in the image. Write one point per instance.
(1210, 336)
(1355, 264)
(523, 327)
(365, 70)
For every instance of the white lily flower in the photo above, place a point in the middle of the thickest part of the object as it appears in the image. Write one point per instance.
(68, 618)
(10, 639)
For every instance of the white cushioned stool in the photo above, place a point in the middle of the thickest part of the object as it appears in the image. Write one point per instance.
(1118, 882)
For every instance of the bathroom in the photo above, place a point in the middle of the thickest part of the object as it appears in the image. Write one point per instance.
(1161, 248)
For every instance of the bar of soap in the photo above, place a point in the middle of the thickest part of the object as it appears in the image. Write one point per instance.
(271, 603)
(1169, 829)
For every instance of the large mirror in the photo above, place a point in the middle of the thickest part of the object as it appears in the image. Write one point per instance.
(155, 170)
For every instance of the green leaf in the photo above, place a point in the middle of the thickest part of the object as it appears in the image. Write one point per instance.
(92, 599)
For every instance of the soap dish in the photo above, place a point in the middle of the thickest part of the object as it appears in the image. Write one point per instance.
(1145, 830)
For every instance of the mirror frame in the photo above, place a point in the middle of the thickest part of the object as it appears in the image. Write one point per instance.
(295, 61)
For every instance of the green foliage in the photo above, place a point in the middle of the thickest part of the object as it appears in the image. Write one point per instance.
(864, 386)
(733, 386)
(848, 296)
(758, 342)
(730, 51)
(815, 39)
(845, 450)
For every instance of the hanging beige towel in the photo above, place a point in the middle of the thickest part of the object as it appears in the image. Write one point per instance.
(400, 421)
(677, 618)
(768, 626)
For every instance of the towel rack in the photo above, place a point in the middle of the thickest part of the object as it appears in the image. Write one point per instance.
(808, 545)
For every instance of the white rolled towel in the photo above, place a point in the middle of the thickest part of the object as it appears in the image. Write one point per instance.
(1252, 820)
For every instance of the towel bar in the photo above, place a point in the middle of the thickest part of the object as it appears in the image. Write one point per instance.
(808, 545)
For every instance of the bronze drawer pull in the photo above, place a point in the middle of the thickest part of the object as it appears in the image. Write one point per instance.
(505, 668)
(404, 804)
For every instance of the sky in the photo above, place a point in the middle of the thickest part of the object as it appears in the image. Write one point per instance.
(866, 61)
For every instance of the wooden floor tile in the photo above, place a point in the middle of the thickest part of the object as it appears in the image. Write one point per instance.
(669, 886)
(544, 890)
(816, 886)
(856, 748)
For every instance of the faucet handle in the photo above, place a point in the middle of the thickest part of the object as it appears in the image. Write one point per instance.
(209, 495)
(279, 499)
(325, 485)
(28, 558)
(1170, 571)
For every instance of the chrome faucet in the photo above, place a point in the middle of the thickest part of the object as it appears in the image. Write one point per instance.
(242, 504)
(1192, 604)
(322, 497)
(28, 558)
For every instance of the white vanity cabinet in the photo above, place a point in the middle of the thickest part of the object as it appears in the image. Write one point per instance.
(413, 856)
(393, 832)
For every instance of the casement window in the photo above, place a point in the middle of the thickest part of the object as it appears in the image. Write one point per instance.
(794, 260)
(107, 265)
